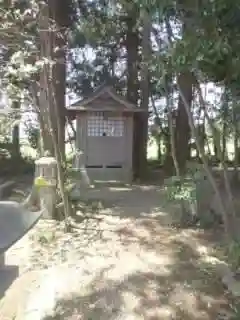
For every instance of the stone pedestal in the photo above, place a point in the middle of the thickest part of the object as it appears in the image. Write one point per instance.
(46, 182)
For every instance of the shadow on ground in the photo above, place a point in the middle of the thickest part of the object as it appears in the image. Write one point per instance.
(134, 265)
(158, 273)
(131, 200)
(185, 290)
(8, 274)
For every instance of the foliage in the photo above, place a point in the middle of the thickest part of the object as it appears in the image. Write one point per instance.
(233, 254)
(5, 149)
(41, 182)
(33, 134)
(180, 189)
(19, 46)
(192, 191)
(184, 188)
(46, 238)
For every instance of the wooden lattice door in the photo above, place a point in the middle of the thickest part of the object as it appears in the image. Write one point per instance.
(105, 140)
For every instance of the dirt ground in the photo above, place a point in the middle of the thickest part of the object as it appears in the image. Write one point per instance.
(127, 263)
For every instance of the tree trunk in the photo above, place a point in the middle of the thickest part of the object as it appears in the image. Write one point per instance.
(59, 71)
(182, 132)
(144, 88)
(224, 128)
(202, 138)
(56, 26)
(159, 150)
(236, 137)
(168, 159)
(182, 129)
(49, 110)
(15, 133)
(132, 47)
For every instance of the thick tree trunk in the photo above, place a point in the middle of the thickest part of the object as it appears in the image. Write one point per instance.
(182, 131)
(168, 159)
(144, 86)
(132, 47)
(60, 16)
(57, 31)
(49, 110)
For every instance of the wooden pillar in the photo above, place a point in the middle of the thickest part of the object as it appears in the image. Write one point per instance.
(80, 167)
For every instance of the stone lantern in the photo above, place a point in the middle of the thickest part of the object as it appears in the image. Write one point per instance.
(46, 182)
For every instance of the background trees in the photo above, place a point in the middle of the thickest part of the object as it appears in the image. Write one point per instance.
(160, 56)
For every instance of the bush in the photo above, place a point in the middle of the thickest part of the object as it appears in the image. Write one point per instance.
(184, 188)
(189, 191)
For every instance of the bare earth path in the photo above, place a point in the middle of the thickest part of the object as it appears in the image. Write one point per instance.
(129, 264)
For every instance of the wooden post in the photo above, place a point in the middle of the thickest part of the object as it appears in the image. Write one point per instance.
(46, 182)
(80, 167)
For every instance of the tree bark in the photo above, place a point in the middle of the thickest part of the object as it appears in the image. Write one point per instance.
(56, 20)
(49, 110)
(236, 136)
(144, 86)
(132, 47)
(59, 70)
(182, 129)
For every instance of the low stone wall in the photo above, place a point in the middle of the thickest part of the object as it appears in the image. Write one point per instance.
(6, 189)
(206, 201)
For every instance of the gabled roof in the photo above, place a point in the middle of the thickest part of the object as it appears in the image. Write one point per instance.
(107, 92)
